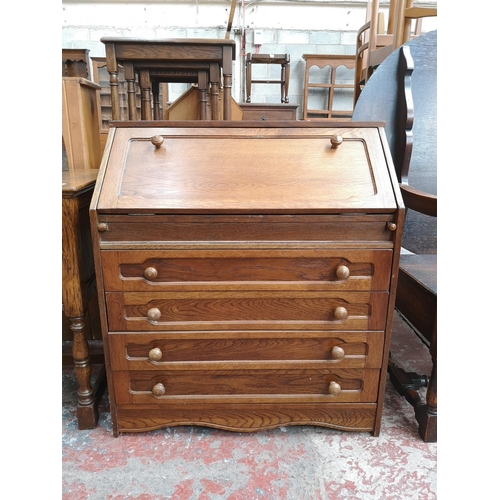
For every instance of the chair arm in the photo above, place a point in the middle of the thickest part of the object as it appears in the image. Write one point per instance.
(419, 201)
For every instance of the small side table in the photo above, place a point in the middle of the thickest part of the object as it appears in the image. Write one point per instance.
(282, 59)
(334, 62)
(78, 285)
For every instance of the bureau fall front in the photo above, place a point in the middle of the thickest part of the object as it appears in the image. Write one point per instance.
(246, 274)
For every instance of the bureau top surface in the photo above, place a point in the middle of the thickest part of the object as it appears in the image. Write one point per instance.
(246, 170)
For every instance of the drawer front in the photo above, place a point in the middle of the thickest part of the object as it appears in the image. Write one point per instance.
(141, 229)
(246, 417)
(246, 310)
(246, 384)
(269, 114)
(129, 351)
(148, 270)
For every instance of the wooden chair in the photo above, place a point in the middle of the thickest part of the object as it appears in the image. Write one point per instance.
(402, 92)
(370, 37)
(416, 296)
(374, 43)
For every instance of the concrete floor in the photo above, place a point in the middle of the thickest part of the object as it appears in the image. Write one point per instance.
(289, 463)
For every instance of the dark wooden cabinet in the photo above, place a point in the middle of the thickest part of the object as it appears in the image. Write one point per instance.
(246, 275)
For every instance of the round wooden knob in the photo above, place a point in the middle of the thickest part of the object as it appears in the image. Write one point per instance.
(157, 141)
(150, 273)
(159, 389)
(342, 272)
(338, 353)
(340, 313)
(391, 226)
(102, 226)
(155, 354)
(334, 389)
(154, 314)
(336, 141)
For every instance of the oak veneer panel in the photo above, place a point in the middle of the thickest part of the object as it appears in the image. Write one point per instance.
(249, 417)
(292, 171)
(276, 269)
(131, 351)
(245, 385)
(246, 310)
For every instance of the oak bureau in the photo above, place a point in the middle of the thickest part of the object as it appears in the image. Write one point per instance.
(246, 273)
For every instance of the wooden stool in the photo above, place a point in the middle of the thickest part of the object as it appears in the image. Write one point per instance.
(283, 59)
(334, 62)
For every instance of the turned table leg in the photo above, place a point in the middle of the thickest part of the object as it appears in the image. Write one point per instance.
(86, 409)
(75, 296)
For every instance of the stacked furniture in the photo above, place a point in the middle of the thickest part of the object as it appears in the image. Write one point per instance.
(374, 43)
(204, 61)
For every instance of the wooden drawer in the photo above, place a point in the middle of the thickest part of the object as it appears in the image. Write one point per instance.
(269, 112)
(247, 417)
(246, 310)
(142, 351)
(143, 230)
(158, 270)
(246, 384)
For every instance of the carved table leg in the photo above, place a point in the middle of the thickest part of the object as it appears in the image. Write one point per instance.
(426, 415)
(214, 90)
(86, 409)
(227, 78)
(75, 298)
(203, 94)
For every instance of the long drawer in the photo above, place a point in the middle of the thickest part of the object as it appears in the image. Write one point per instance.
(246, 310)
(163, 270)
(246, 417)
(150, 228)
(142, 351)
(244, 384)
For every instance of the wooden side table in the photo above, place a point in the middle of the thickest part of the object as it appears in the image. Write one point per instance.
(334, 62)
(184, 53)
(281, 59)
(78, 285)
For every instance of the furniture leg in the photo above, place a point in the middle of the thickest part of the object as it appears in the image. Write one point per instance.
(407, 385)
(285, 77)
(130, 79)
(227, 71)
(112, 67)
(86, 410)
(202, 94)
(145, 84)
(249, 80)
(74, 301)
(156, 100)
(214, 90)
